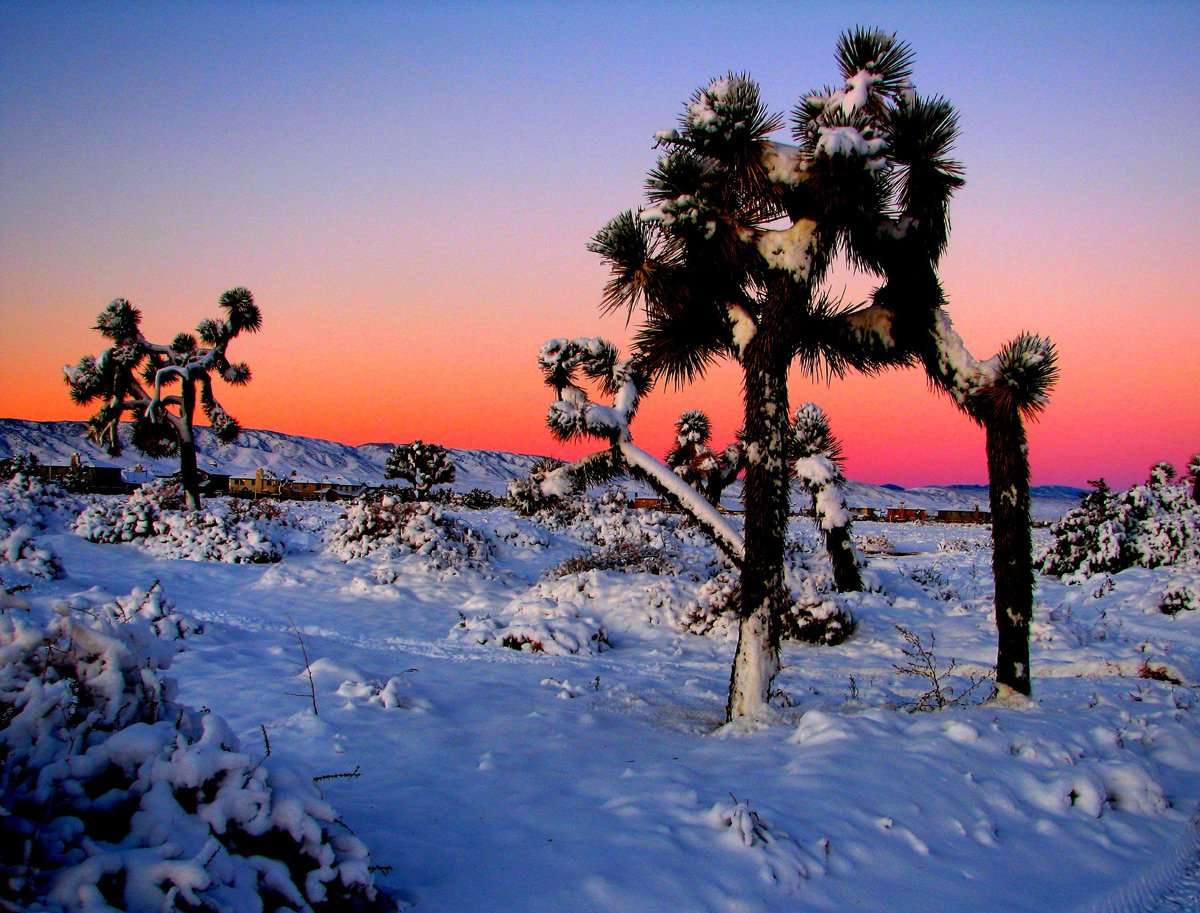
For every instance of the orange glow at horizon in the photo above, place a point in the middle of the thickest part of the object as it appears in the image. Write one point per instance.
(413, 217)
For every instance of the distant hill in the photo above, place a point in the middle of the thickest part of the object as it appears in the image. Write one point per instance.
(316, 459)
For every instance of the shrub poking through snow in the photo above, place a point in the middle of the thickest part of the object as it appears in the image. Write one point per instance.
(25, 504)
(783, 861)
(421, 465)
(816, 617)
(920, 662)
(475, 499)
(1148, 525)
(1181, 598)
(152, 516)
(715, 607)
(631, 558)
(388, 527)
(550, 618)
(117, 797)
(526, 496)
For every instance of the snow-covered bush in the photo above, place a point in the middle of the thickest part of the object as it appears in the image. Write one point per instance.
(117, 797)
(1148, 525)
(628, 557)
(526, 495)
(874, 544)
(521, 536)
(961, 544)
(715, 607)
(1180, 598)
(388, 527)
(152, 516)
(608, 522)
(421, 465)
(475, 499)
(25, 505)
(816, 617)
(549, 618)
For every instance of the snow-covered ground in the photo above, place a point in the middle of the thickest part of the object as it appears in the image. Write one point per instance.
(593, 774)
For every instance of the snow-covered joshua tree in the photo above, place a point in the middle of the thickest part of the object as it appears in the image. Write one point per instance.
(816, 459)
(134, 376)
(696, 463)
(421, 465)
(729, 259)
(573, 415)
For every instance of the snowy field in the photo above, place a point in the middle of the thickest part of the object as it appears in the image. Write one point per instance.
(587, 770)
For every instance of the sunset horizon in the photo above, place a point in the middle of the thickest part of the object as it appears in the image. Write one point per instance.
(411, 250)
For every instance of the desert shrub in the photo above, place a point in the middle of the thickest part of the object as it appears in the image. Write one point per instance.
(628, 557)
(118, 797)
(25, 505)
(1179, 598)
(715, 606)
(152, 515)
(550, 618)
(874, 544)
(25, 464)
(961, 545)
(816, 617)
(1148, 525)
(388, 527)
(475, 499)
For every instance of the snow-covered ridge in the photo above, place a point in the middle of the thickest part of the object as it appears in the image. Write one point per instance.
(313, 458)
(282, 454)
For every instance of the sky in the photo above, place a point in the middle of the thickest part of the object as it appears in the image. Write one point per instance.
(409, 189)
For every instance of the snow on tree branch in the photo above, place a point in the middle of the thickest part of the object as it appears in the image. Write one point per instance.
(573, 415)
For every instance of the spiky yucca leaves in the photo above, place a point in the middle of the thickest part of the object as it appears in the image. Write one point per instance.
(138, 378)
(812, 436)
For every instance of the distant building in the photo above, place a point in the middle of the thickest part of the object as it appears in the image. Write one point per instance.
(963, 516)
(906, 515)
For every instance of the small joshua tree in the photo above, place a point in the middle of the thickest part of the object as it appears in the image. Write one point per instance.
(696, 463)
(816, 459)
(421, 465)
(133, 374)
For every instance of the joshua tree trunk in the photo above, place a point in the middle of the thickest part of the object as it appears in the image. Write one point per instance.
(764, 595)
(188, 476)
(841, 554)
(1012, 546)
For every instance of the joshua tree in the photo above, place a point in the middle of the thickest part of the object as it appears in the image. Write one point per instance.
(816, 459)
(729, 260)
(131, 375)
(573, 415)
(696, 463)
(421, 465)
